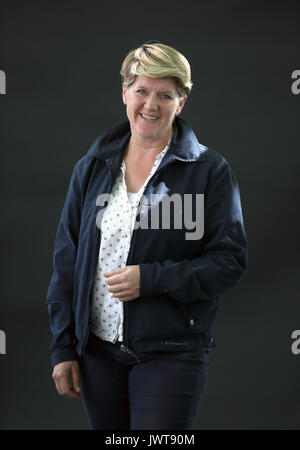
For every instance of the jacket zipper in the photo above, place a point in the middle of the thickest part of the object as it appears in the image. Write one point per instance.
(125, 322)
(125, 305)
(126, 349)
(97, 246)
(89, 301)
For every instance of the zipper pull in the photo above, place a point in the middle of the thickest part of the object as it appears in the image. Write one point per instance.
(123, 348)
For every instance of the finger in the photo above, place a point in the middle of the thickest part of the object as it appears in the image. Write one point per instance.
(115, 279)
(73, 394)
(57, 385)
(122, 294)
(114, 272)
(130, 295)
(115, 288)
(127, 298)
(55, 378)
(64, 384)
(66, 389)
(75, 377)
(123, 297)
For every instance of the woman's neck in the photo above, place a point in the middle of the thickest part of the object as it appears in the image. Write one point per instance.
(144, 148)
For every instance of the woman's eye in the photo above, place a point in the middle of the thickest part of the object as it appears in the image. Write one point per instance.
(163, 96)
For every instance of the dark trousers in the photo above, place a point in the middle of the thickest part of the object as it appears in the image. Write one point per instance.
(123, 390)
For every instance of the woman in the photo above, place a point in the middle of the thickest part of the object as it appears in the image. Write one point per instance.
(134, 295)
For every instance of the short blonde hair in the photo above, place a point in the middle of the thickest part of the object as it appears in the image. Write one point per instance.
(157, 61)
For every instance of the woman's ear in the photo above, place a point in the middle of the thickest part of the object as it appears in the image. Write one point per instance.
(181, 105)
(124, 93)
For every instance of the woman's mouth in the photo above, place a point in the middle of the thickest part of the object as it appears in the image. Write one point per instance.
(146, 117)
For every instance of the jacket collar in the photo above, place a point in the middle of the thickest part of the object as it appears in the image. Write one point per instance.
(184, 145)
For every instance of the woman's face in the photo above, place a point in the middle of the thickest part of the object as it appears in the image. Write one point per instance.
(151, 105)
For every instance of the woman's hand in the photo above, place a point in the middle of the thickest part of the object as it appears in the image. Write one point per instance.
(63, 373)
(124, 283)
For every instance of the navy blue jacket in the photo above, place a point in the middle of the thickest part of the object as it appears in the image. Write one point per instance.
(181, 280)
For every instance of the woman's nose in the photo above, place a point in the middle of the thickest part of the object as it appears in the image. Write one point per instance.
(151, 103)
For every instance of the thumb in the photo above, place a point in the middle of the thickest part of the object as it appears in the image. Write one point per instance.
(75, 377)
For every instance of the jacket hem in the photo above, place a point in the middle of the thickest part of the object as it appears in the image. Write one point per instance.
(174, 344)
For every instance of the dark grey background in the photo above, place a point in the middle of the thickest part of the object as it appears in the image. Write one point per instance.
(62, 62)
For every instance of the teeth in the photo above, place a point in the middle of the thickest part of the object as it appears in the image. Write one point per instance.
(149, 117)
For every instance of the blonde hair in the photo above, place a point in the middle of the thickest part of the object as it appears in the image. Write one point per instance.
(157, 61)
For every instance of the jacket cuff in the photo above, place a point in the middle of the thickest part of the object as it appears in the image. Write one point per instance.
(63, 354)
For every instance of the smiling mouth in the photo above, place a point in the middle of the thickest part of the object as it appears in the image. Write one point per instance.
(146, 117)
